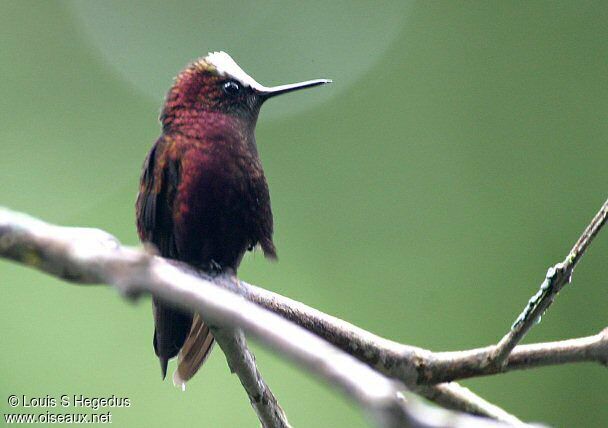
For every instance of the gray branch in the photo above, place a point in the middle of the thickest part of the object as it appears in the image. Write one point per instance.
(375, 351)
(417, 367)
(447, 366)
(242, 362)
(557, 277)
(90, 256)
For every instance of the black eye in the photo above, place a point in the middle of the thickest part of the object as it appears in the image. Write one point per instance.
(232, 88)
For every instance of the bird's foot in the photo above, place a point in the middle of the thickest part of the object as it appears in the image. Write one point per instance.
(214, 268)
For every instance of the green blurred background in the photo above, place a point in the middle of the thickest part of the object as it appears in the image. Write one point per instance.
(422, 196)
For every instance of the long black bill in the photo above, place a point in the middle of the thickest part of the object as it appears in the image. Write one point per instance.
(283, 89)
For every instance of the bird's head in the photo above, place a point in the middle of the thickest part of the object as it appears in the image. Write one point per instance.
(216, 83)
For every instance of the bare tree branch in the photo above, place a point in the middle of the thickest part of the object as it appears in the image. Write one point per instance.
(417, 366)
(391, 358)
(456, 397)
(447, 366)
(242, 362)
(433, 417)
(396, 360)
(91, 256)
(557, 276)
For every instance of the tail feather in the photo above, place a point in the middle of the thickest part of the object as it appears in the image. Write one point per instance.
(194, 352)
(171, 327)
(164, 361)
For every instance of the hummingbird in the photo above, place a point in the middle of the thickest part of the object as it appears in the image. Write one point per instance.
(203, 197)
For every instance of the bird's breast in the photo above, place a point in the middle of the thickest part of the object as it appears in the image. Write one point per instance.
(215, 204)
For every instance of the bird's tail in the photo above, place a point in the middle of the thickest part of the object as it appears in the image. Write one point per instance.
(194, 353)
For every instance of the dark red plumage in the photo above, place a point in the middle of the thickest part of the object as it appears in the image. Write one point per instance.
(203, 196)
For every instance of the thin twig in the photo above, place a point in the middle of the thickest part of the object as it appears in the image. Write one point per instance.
(434, 417)
(557, 277)
(242, 362)
(454, 396)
